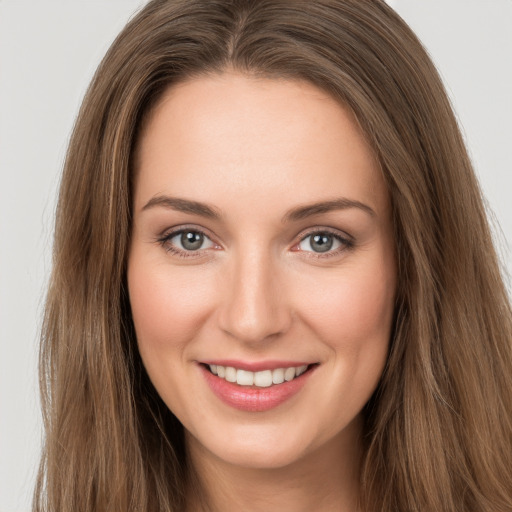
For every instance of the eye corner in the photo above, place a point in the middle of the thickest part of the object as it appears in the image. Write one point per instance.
(296, 246)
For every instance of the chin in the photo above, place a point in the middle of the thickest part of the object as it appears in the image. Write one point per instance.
(255, 448)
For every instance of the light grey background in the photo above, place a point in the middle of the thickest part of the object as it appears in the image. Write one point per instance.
(48, 52)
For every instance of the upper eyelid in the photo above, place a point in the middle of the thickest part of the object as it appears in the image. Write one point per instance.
(169, 233)
(342, 235)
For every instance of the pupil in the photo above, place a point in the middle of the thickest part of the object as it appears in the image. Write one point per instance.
(321, 243)
(191, 241)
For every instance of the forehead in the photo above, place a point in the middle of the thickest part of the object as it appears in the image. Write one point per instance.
(230, 135)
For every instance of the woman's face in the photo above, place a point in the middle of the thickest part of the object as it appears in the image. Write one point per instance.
(262, 246)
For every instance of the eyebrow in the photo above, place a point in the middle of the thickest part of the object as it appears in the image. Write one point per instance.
(293, 215)
(183, 205)
(342, 203)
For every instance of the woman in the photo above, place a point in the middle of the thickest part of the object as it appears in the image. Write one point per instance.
(274, 283)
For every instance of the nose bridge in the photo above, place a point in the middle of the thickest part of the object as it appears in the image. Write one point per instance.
(255, 306)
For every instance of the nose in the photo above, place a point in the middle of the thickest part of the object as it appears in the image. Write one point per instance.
(255, 307)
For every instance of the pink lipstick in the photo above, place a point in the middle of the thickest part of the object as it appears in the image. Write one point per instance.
(276, 382)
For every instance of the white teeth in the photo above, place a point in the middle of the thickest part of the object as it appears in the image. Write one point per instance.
(278, 376)
(244, 378)
(262, 379)
(300, 370)
(289, 374)
(230, 374)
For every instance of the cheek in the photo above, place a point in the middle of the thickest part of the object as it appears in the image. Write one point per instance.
(167, 307)
(352, 316)
(352, 311)
(346, 315)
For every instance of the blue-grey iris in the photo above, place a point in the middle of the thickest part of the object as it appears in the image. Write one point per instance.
(321, 242)
(191, 240)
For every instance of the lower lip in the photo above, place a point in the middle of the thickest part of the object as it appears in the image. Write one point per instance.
(254, 399)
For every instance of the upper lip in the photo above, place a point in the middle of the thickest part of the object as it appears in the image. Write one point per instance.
(255, 366)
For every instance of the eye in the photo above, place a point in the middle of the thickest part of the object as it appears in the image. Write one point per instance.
(191, 241)
(186, 242)
(323, 242)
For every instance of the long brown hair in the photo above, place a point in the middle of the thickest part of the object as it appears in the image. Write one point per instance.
(438, 429)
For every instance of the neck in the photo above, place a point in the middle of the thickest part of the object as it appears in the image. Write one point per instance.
(326, 479)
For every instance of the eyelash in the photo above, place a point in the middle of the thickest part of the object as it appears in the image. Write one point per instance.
(166, 238)
(346, 243)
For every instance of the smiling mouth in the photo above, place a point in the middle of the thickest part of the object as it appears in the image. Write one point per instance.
(260, 388)
(260, 379)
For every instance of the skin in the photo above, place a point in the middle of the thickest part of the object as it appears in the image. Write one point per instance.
(253, 150)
